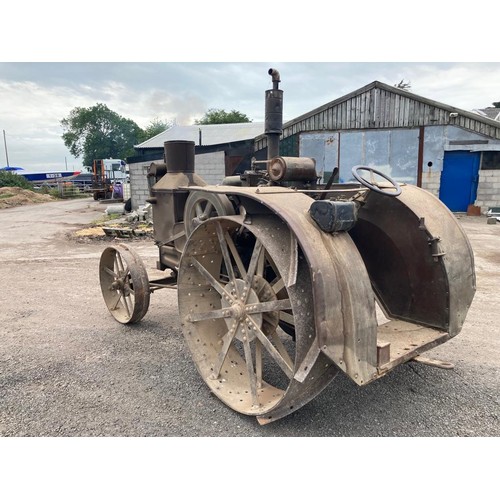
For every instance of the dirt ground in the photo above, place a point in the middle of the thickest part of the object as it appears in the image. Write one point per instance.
(15, 197)
(68, 369)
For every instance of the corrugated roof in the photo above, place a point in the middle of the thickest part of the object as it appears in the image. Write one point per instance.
(493, 113)
(347, 113)
(210, 134)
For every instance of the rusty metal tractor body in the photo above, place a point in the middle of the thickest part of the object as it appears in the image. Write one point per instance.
(283, 282)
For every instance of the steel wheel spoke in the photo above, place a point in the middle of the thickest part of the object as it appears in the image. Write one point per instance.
(226, 344)
(278, 285)
(198, 210)
(260, 264)
(287, 318)
(273, 305)
(280, 360)
(119, 262)
(254, 259)
(250, 370)
(115, 305)
(125, 303)
(258, 364)
(208, 210)
(225, 253)
(217, 314)
(236, 255)
(280, 347)
(110, 272)
(211, 280)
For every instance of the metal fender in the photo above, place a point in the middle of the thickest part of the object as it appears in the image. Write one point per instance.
(343, 299)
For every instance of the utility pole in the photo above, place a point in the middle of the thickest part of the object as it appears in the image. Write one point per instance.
(5, 143)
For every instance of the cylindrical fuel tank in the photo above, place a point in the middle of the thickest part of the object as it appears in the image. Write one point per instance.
(298, 169)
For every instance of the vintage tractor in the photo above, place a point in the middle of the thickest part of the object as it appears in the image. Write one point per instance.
(283, 282)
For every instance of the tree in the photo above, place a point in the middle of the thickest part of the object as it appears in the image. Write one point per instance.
(403, 85)
(496, 104)
(98, 132)
(216, 116)
(155, 127)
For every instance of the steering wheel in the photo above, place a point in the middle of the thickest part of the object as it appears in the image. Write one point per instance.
(372, 184)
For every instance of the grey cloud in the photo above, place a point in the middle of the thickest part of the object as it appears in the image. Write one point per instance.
(34, 97)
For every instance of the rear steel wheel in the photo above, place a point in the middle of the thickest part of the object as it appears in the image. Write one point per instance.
(245, 301)
(124, 283)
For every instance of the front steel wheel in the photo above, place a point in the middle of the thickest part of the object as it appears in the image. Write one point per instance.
(124, 283)
(245, 300)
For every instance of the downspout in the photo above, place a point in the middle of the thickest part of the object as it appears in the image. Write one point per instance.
(420, 160)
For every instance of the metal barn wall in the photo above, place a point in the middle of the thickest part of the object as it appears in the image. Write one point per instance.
(380, 106)
(393, 151)
(379, 125)
(438, 139)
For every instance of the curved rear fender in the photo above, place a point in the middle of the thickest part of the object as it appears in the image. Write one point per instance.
(344, 303)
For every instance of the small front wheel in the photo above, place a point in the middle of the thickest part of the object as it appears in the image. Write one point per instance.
(124, 283)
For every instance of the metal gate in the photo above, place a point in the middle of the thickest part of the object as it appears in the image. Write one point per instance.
(459, 179)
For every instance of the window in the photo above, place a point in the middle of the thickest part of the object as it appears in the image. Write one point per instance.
(490, 160)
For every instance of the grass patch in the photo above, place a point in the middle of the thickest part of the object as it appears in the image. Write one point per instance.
(101, 221)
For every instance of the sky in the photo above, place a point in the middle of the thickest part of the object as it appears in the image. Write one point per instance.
(179, 63)
(36, 96)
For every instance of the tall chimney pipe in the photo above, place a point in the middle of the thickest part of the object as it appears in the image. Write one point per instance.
(273, 123)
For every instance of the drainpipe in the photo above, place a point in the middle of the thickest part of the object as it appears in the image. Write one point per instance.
(420, 159)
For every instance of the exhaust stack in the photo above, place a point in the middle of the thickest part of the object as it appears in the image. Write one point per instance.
(274, 115)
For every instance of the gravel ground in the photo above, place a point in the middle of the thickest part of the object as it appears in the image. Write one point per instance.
(68, 369)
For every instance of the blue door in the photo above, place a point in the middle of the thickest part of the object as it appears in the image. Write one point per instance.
(459, 179)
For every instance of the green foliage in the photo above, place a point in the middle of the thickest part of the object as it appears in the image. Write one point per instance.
(216, 116)
(155, 127)
(98, 132)
(9, 179)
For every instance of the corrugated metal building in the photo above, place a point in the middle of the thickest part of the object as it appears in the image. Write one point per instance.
(220, 150)
(451, 152)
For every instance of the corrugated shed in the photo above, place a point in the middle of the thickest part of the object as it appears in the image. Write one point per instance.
(378, 106)
(493, 113)
(208, 134)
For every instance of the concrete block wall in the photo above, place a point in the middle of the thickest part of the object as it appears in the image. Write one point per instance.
(139, 190)
(211, 167)
(431, 182)
(488, 190)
